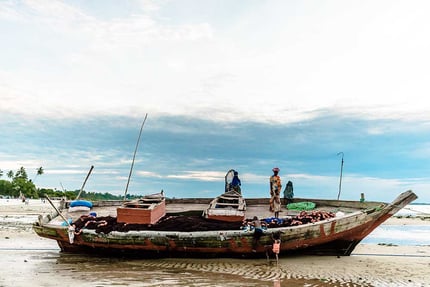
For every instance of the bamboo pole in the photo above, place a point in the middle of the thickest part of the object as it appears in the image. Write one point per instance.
(134, 156)
(56, 209)
(85, 181)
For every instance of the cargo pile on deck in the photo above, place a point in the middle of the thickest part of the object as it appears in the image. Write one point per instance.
(106, 224)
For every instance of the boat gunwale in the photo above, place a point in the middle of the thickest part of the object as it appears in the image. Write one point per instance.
(385, 208)
(211, 233)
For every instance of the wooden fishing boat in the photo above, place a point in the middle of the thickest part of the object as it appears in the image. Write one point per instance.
(351, 221)
(229, 206)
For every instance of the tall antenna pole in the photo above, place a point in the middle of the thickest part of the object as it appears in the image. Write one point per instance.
(134, 156)
(340, 180)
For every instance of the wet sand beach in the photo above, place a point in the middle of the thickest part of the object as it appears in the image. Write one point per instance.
(28, 260)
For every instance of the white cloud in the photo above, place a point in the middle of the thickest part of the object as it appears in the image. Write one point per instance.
(49, 11)
(9, 12)
(148, 174)
(66, 171)
(31, 165)
(200, 175)
(272, 62)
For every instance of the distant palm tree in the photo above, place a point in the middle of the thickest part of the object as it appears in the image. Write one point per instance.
(21, 173)
(40, 171)
(1, 173)
(10, 174)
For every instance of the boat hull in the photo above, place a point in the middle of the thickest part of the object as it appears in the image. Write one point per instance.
(334, 236)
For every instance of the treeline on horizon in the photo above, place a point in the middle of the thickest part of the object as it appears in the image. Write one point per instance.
(19, 185)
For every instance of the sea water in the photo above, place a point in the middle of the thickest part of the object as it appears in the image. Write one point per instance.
(414, 210)
(400, 235)
(416, 234)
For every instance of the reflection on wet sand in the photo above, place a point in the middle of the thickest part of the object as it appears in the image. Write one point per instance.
(179, 272)
(51, 268)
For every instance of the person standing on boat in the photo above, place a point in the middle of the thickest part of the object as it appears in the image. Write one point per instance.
(235, 182)
(288, 192)
(276, 205)
(275, 187)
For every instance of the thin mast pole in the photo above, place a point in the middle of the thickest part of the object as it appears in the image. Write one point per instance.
(134, 156)
(56, 209)
(85, 181)
(340, 179)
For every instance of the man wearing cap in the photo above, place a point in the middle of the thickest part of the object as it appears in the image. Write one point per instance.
(275, 187)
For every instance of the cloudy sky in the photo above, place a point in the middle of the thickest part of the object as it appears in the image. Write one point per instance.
(227, 84)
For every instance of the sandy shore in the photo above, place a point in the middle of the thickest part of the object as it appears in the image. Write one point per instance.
(370, 264)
